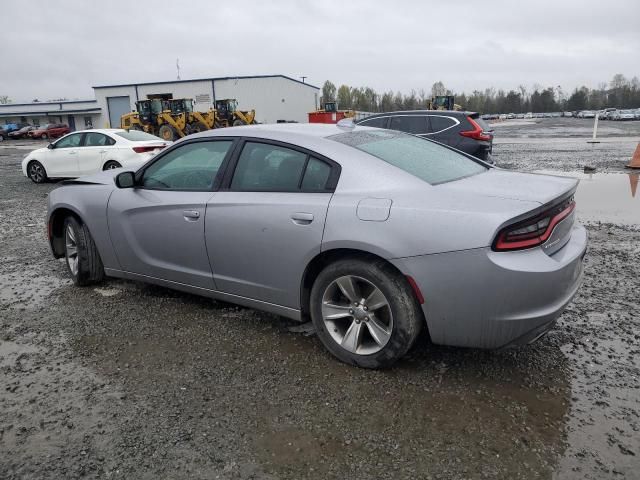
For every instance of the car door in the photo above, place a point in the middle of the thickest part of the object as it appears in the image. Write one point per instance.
(157, 228)
(62, 157)
(266, 224)
(94, 152)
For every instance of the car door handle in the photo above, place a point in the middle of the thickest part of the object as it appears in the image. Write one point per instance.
(301, 218)
(191, 215)
(73, 153)
(102, 151)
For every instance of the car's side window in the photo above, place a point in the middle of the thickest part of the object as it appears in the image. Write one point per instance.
(374, 122)
(93, 139)
(193, 166)
(415, 124)
(440, 123)
(70, 141)
(271, 168)
(316, 175)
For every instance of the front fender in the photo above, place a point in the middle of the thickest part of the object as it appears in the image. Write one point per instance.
(89, 203)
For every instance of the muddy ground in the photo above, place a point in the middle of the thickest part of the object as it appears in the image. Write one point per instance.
(127, 380)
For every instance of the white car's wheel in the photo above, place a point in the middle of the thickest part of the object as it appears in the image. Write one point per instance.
(36, 172)
(111, 164)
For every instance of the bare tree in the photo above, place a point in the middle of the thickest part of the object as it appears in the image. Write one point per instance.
(438, 88)
(4, 99)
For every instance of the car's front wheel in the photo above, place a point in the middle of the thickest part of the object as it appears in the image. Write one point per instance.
(36, 172)
(365, 313)
(81, 254)
(44, 136)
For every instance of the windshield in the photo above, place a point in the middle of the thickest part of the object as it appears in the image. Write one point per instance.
(138, 136)
(427, 160)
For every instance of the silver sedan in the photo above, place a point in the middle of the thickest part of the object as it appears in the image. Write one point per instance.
(372, 234)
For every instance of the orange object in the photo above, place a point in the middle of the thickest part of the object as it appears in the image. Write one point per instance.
(633, 180)
(635, 160)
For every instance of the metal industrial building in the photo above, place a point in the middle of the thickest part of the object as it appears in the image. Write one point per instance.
(274, 98)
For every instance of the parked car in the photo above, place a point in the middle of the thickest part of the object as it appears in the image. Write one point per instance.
(637, 114)
(624, 115)
(528, 115)
(567, 114)
(465, 131)
(50, 130)
(588, 114)
(89, 151)
(385, 234)
(520, 115)
(6, 129)
(21, 133)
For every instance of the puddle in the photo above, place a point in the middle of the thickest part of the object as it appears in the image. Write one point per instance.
(27, 288)
(606, 197)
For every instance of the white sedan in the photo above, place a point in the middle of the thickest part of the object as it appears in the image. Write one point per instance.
(90, 151)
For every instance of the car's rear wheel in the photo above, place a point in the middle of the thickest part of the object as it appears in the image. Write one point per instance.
(111, 164)
(365, 313)
(81, 255)
(36, 172)
(44, 136)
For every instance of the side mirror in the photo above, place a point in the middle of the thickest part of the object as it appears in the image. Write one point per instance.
(50, 146)
(126, 180)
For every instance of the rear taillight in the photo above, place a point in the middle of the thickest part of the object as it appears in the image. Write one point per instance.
(148, 148)
(477, 133)
(533, 231)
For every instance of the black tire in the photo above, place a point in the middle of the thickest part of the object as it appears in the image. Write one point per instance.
(406, 313)
(44, 136)
(237, 122)
(36, 172)
(89, 264)
(1, 138)
(110, 165)
(167, 133)
(197, 127)
(136, 127)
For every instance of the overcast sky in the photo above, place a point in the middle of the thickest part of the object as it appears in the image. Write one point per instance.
(61, 48)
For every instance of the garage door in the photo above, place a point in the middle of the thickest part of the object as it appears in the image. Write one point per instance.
(117, 106)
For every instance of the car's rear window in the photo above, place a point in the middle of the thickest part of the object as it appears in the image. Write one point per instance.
(427, 160)
(137, 136)
(483, 125)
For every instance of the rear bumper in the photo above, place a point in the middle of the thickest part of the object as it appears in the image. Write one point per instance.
(485, 299)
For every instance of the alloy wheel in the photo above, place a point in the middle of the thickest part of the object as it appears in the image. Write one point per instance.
(36, 172)
(357, 315)
(71, 252)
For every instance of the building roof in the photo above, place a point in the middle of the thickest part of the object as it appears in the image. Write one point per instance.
(242, 77)
(63, 102)
(50, 112)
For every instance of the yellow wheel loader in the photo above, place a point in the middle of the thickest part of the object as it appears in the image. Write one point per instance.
(227, 114)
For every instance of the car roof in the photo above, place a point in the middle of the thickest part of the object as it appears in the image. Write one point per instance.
(447, 113)
(277, 131)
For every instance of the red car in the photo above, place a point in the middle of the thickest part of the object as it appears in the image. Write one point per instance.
(50, 130)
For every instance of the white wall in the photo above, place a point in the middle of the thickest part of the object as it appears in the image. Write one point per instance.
(101, 97)
(273, 98)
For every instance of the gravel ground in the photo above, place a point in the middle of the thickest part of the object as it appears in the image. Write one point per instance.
(128, 380)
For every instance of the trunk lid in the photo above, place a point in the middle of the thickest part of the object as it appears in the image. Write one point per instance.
(525, 187)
